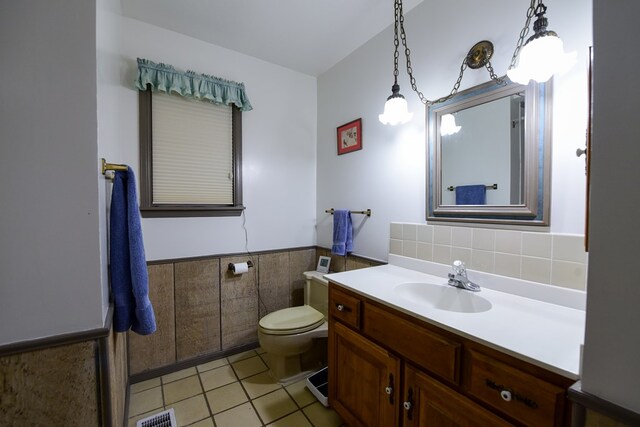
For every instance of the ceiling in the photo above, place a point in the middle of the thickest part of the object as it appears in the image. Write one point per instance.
(309, 36)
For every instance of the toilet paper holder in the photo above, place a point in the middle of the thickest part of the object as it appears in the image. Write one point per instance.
(232, 266)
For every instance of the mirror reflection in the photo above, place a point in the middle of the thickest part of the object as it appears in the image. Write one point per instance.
(483, 153)
(489, 155)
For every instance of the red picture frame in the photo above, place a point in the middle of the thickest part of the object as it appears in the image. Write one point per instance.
(350, 137)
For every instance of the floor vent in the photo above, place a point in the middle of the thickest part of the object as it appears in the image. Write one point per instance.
(161, 419)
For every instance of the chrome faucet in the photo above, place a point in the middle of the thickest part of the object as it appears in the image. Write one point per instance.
(459, 277)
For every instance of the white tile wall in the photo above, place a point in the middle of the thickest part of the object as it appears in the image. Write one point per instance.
(556, 259)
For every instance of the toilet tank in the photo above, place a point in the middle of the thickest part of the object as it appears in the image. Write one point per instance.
(316, 291)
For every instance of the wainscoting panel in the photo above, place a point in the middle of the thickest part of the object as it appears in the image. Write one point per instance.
(274, 282)
(117, 375)
(197, 294)
(50, 387)
(158, 349)
(238, 304)
(300, 261)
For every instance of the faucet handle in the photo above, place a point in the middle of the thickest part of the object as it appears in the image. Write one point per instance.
(459, 268)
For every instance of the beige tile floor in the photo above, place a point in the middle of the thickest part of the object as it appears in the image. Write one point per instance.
(234, 391)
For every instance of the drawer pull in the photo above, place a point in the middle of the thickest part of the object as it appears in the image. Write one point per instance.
(506, 395)
(342, 307)
(408, 404)
(389, 389)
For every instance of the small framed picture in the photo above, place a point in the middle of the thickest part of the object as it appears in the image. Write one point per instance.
(323, 264)
(350, 137)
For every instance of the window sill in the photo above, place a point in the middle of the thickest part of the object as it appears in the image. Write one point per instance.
(183, 211)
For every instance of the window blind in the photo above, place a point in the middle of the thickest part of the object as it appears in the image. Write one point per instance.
(192, 155)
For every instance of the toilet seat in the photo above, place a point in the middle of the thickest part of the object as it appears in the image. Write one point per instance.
(293, 320)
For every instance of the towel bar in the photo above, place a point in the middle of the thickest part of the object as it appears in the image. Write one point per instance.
(367, 212)
(112, 167)
(489, 187)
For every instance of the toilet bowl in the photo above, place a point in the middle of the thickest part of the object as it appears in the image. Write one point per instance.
(289, 336)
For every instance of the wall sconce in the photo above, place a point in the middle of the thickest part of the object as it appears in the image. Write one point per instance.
(543, 54)
(395, 109)
(448, 125)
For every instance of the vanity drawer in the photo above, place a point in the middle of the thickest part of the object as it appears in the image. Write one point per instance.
(344, 307)
(522, 396)
(426, 349)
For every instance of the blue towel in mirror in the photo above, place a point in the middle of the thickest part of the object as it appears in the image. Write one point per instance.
(471, 195)
(342, 232)
(128, 265)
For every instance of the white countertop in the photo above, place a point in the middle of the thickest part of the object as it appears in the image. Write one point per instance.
(539, 332)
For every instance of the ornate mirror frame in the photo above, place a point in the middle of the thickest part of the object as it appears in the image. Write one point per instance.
(534, 209)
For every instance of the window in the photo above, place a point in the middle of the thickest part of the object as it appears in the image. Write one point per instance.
(190, 155)
(190, 142)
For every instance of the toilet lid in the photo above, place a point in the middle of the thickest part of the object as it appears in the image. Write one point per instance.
(292, 320)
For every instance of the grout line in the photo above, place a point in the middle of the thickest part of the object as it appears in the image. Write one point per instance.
(204, 394)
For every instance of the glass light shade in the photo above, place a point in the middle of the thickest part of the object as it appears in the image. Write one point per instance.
(541, 58)
(395, 111)
(448, 125)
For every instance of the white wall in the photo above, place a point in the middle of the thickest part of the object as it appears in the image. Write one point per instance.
(49, 244)
(612, 344)
(388, 175)
(279, 146)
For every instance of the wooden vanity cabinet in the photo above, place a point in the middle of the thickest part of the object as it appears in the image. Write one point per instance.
(364, 387)
(387, 368)
(428, 403)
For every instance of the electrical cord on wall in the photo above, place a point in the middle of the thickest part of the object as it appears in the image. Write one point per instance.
(255, 265)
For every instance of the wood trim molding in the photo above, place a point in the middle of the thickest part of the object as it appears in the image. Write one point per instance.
(184, 364)
(604, 407)
(58, 340)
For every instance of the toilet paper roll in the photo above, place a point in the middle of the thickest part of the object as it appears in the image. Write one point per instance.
(239, 268)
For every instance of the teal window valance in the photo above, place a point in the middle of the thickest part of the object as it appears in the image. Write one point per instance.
(165, 78)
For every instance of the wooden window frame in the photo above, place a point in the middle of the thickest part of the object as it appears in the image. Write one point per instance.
(150, 210)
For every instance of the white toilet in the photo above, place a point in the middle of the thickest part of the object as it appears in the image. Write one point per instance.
(288, 335)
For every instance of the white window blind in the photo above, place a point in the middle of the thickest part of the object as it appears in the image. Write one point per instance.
(192, 156)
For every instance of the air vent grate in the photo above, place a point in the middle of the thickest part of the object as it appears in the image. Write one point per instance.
(161, 419)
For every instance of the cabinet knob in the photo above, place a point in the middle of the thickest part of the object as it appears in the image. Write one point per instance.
(340, 307)
(407, 406)
(506, 395)
(388, 390)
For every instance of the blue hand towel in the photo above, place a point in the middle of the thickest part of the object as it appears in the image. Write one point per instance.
(471, 195)
(128, 265)
(342, 232)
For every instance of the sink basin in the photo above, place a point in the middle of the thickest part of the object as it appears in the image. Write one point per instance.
(443, 297)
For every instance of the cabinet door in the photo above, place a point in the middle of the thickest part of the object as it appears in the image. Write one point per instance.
(363, 379)
(428, 403)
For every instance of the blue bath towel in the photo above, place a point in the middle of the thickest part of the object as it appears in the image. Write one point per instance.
(342, 232)
(128, 265)
(471, 195)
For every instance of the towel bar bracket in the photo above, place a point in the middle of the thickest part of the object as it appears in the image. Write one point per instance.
(112, 167)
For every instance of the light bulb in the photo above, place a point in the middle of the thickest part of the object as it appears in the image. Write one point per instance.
(395, 111)
(540, 59)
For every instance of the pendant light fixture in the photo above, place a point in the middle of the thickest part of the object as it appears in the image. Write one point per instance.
(395, 109)
(543, 53)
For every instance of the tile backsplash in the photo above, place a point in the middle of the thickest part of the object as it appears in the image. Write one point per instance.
(556, 259)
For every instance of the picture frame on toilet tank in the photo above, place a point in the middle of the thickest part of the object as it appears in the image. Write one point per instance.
(350, 137)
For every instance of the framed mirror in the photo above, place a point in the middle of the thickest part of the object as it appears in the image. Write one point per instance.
(489, 155)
